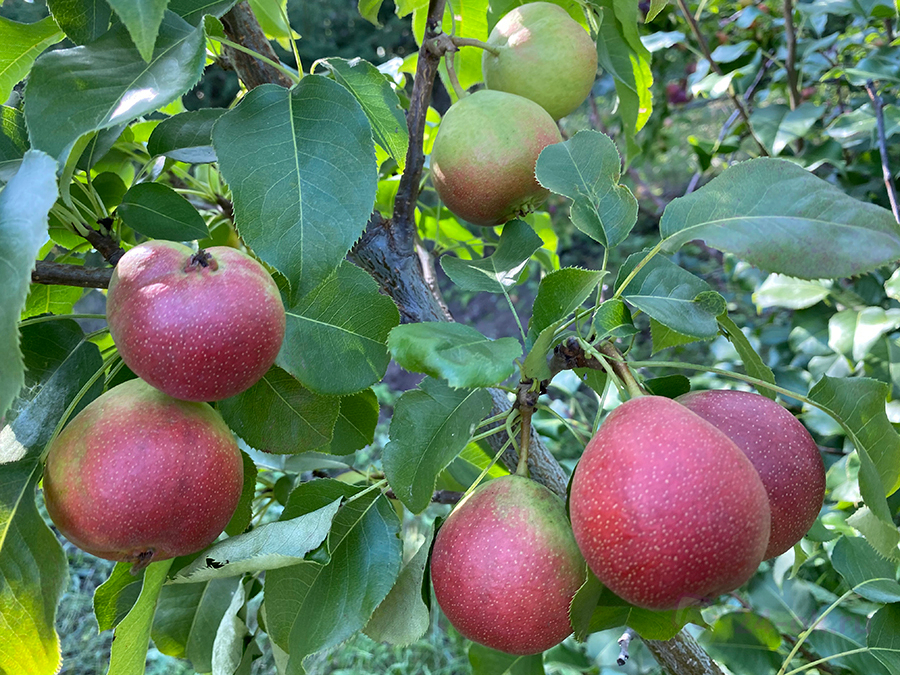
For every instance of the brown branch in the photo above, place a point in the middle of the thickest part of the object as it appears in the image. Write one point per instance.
(683, 656)
(878, 106)
(439, 496)
(242, 27)
(791, 59)
(105, 244)
(404, 219)
(60, 274)
(704, 47)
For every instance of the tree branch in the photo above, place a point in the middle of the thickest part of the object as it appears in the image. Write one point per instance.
(791, 59)
(60, 274)
(242, 27)
(704, 47)
(878, 106)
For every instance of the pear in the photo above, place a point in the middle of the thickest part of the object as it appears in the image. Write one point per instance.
(666, 509)
(505, 567)
(782, 452)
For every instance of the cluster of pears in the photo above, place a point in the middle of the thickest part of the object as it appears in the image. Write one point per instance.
(674, 502)
(149, 470)
(539, 66)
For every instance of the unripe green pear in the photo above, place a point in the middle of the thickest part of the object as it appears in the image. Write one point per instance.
(543, 55)
(484, 155)
(139, 476)
(665, 508)
(505, 567)
(780, 449)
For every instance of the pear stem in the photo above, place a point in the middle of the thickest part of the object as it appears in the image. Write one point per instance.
(454, 80)
(522, 467)
(621, 369)
(472, 42)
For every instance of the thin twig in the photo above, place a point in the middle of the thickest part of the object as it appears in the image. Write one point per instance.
(790, 64)
(878, 106)
(60, 274)
(704, 47)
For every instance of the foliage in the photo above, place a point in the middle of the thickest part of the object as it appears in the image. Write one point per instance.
(774, 266)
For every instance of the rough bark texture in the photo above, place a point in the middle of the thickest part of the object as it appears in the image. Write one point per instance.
(683, 656)
(70, 275)
(242, 27)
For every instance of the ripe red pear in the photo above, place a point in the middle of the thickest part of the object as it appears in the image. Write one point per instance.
(484, 155)
(782, 452)
(199, 326)
(505, 567)
(665, 508)
(138, 476)
(544, 55)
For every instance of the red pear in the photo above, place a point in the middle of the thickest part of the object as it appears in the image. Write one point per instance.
(505, 567)
(665, 508)
(780, 449)
(139, 476)
(484, 155)
(199, 326)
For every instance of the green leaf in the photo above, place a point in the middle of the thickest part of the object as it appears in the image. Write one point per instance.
(777, 125)
(115, 597)
(82, 20)
(430, 427)
(745, 642)
(186, 137)
(753, 363)
(132, 636)
(368, 9)
(318, 606)
(271, 17)
(884, 636)
(663, 337)
(501, 270)
(24, 204)
(586, 169)
(345, 315)
(453, 352)
(20, 45)
(228, 647)
(277, 414)
(73, 92)
(670, 386)
(870, 575)
(267, 547)
(535, 366)
(301, 166)
(487, 661)
(595, 608)
(402, 617)
(34, 574)
(854, 333)
(621, 54)
(613, 319)
(142, 18)
(779, 290)
(673, 296)
(157, 211)
(47, 299)
(13, 141)
(356, 423)
(187, 618)
(781, 218)
(881, 535)
(193, 11)
(857, 404)
(656, 6)
(379, 102)
(243, 512)
(561, 293)
(840, 632)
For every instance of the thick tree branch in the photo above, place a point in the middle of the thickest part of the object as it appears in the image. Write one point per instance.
(878, 106)
(242, 27)
(790, 61)
(61, 274)
(704, 47)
